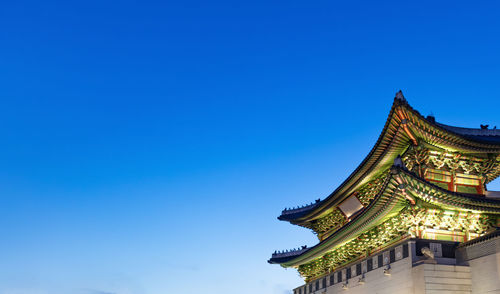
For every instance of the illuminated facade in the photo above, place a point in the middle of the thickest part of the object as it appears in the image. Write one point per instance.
(414, 217)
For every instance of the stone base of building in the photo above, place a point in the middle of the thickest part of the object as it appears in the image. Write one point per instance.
(419, 266)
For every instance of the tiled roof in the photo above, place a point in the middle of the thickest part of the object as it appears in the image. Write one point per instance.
(403, 125)
(388, 202)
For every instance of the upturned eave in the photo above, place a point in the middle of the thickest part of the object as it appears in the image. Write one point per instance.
(402, 189)
(404, 127)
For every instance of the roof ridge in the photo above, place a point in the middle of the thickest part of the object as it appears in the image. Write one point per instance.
(470, 131)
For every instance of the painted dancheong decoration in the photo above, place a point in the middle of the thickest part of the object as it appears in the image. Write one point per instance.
(422, 179)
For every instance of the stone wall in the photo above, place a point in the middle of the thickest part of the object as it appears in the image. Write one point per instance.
(483, 257)
(470, 268)
(405, 270)
(485, 274)
(442, 279)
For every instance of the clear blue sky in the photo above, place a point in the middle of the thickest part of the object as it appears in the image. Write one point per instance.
(147, 148)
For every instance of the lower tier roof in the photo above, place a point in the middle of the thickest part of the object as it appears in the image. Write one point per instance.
(402, 188)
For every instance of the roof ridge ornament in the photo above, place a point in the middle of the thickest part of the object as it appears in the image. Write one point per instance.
(431, 118)
(400, 96)
(298, 209)
(289, 252)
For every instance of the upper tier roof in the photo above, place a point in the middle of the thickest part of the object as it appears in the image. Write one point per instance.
(404, 126)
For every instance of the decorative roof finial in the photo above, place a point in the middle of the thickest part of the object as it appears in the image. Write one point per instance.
(399, 96)
(431, 117)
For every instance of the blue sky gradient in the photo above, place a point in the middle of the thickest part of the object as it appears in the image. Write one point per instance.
(148, 147)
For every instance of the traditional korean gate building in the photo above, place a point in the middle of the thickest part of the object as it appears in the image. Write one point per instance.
(414, 217)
